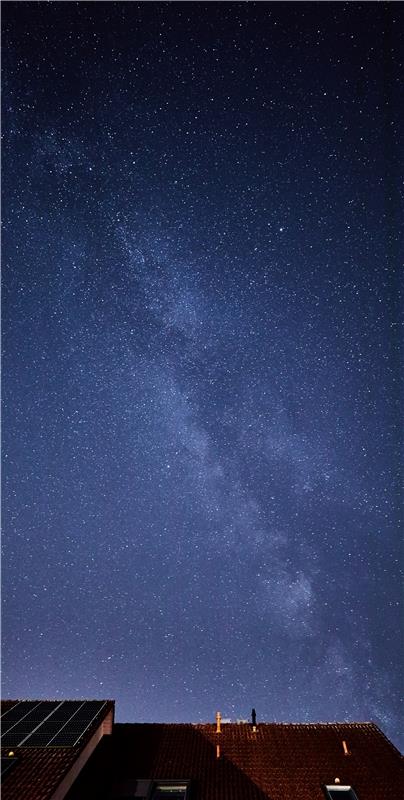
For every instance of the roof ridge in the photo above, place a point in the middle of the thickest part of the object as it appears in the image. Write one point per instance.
(56, 700)
(356, 724)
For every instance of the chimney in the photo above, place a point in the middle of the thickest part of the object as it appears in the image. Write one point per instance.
(218, 721)
(254, 720)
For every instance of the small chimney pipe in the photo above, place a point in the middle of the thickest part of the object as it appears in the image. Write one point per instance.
(254, 718)
(218, 722)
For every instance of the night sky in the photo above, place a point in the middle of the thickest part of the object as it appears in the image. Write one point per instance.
(201, 407)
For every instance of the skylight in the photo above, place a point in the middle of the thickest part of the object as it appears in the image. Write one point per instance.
(174, 791)
(341, 793)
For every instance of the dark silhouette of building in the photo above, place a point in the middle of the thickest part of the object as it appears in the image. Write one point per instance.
(73, 751)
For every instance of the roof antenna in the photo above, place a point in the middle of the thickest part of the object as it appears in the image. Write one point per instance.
(254, 720)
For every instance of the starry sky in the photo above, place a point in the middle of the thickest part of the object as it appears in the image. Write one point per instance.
(201, 407)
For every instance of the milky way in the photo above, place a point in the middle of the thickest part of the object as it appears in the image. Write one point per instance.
(200, 333)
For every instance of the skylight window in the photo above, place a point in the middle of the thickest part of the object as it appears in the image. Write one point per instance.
(169, 790)
(341, 793)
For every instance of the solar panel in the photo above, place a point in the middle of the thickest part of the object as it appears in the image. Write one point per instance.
(56, 722)
(8, 706)
(66, 710)
(6, 725)
(77, 726)
(42, 736)
(10, 740)
(49, 723)
(66, 740)
(18, 732)
(50, 727)
(19, 710)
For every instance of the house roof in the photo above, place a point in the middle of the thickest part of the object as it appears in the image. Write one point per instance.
(38, 771)
(274, 762)
(277, 762)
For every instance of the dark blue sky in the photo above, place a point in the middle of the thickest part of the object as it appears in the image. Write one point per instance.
(201, 358)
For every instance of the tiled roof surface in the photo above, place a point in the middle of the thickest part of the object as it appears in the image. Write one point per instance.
(278, 762)
(40, 770)
(38, 773)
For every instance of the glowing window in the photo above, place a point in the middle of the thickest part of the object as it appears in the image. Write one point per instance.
(172, 790)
